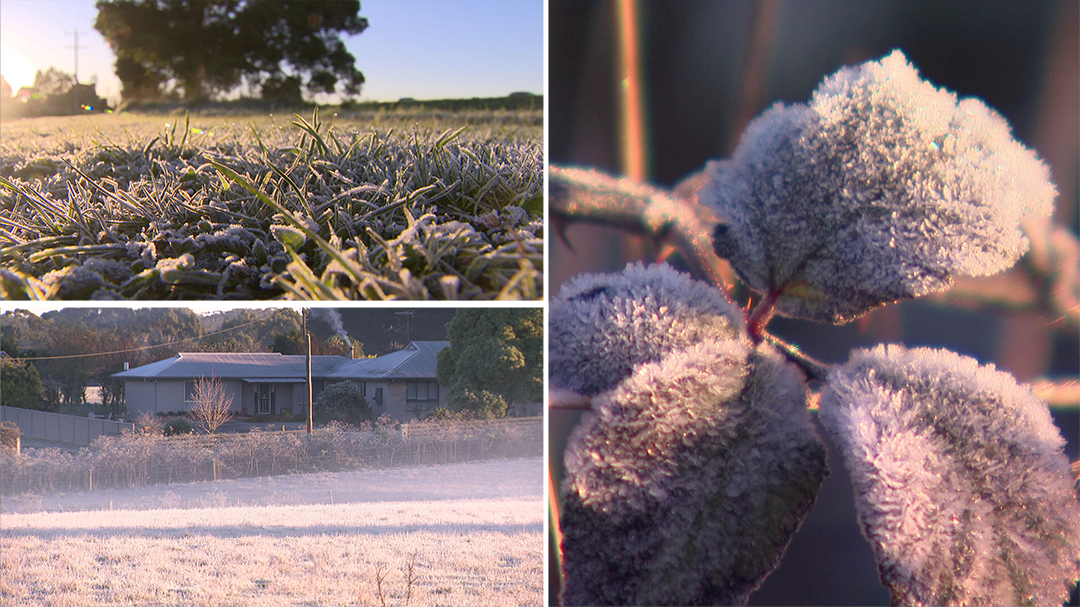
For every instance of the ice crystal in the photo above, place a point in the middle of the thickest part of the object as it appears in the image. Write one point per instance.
(603, 325)
(961, 486)
(882, 187)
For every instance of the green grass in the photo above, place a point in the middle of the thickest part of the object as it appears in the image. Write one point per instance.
(412, 204)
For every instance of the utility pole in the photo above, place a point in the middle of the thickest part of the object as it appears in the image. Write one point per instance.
(310, 405)
(408, 316)
(76, 47)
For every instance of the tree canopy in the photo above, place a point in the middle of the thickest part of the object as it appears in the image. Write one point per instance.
(495, 358)
(202, 48)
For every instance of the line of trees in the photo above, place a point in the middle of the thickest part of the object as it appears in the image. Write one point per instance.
(494, 362)
(47, 381)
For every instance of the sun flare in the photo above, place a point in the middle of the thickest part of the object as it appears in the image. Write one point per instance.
(15, 69)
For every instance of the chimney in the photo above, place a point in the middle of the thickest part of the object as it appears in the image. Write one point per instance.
(127, 366)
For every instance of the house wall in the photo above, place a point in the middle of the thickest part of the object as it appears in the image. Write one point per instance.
(378, 409)
(168, 395)
(161, 396)
(139, 396)
(395, 401)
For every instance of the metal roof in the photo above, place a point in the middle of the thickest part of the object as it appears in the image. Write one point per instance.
(417, 360)
(234, 365)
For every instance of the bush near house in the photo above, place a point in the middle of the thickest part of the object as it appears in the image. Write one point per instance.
(178, 425)
(342, 402)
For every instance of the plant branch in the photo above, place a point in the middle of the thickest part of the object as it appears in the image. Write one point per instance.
(559, 398)
(814, 368)
(1059, 394)
(1046, 280)
(761, 315)
(663, 216)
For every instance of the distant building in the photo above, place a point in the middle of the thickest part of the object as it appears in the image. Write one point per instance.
(401, 384)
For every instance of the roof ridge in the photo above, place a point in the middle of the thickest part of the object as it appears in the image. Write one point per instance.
(414, 352)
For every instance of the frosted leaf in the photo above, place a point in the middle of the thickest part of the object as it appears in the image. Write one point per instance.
(961, 486)
(882, 187)
(687, 480)
(603, 325)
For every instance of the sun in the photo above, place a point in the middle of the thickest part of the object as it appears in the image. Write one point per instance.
(16, 70)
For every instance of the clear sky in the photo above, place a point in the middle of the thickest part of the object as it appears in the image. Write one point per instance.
(425, 49)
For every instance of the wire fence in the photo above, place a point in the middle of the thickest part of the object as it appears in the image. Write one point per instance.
(137, 460)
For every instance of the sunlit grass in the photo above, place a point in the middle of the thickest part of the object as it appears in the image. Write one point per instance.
(409, 205)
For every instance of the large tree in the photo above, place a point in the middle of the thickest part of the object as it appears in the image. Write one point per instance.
(202, 48)
(495, 358)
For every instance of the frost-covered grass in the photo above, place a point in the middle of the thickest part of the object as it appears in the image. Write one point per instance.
(463, 551)
(142, 459)
(421, 205)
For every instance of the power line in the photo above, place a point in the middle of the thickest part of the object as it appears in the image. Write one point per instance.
(140, 349)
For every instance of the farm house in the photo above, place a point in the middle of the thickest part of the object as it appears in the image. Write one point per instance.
(401, 384)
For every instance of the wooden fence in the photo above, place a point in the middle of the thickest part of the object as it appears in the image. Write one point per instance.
(57, 428)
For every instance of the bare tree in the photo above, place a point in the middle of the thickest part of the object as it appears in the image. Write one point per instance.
(210, 404)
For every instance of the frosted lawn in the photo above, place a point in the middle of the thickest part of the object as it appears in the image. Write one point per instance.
(407, 205)
(472, 531)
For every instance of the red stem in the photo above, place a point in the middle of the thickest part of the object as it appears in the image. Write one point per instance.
(762, 314)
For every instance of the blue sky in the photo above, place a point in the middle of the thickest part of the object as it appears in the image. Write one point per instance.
(425, 49)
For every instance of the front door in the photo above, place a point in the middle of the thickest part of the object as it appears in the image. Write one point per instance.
(265, 398)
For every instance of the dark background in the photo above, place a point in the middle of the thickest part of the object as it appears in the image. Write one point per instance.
(710, 66)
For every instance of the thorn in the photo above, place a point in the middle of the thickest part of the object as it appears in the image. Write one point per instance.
(560, 224)
(665, 250)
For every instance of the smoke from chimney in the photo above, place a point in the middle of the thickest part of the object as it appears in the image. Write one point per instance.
(331, 317)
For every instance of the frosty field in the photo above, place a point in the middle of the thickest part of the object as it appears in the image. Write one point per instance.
(407, 205)
(464, 534)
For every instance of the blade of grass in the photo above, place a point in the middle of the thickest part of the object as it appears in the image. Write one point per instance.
(187, 123)
(75, 250)
(312, 130)
(447, 137)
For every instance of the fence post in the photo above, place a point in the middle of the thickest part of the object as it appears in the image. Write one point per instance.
(91, 479)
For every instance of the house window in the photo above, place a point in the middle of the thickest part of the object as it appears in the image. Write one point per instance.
(189, 394)
(422, 394)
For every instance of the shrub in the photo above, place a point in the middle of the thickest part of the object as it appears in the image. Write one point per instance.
(480, 404)
(178, 425)
(342, 402)
(10, 435)
(150, 424)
